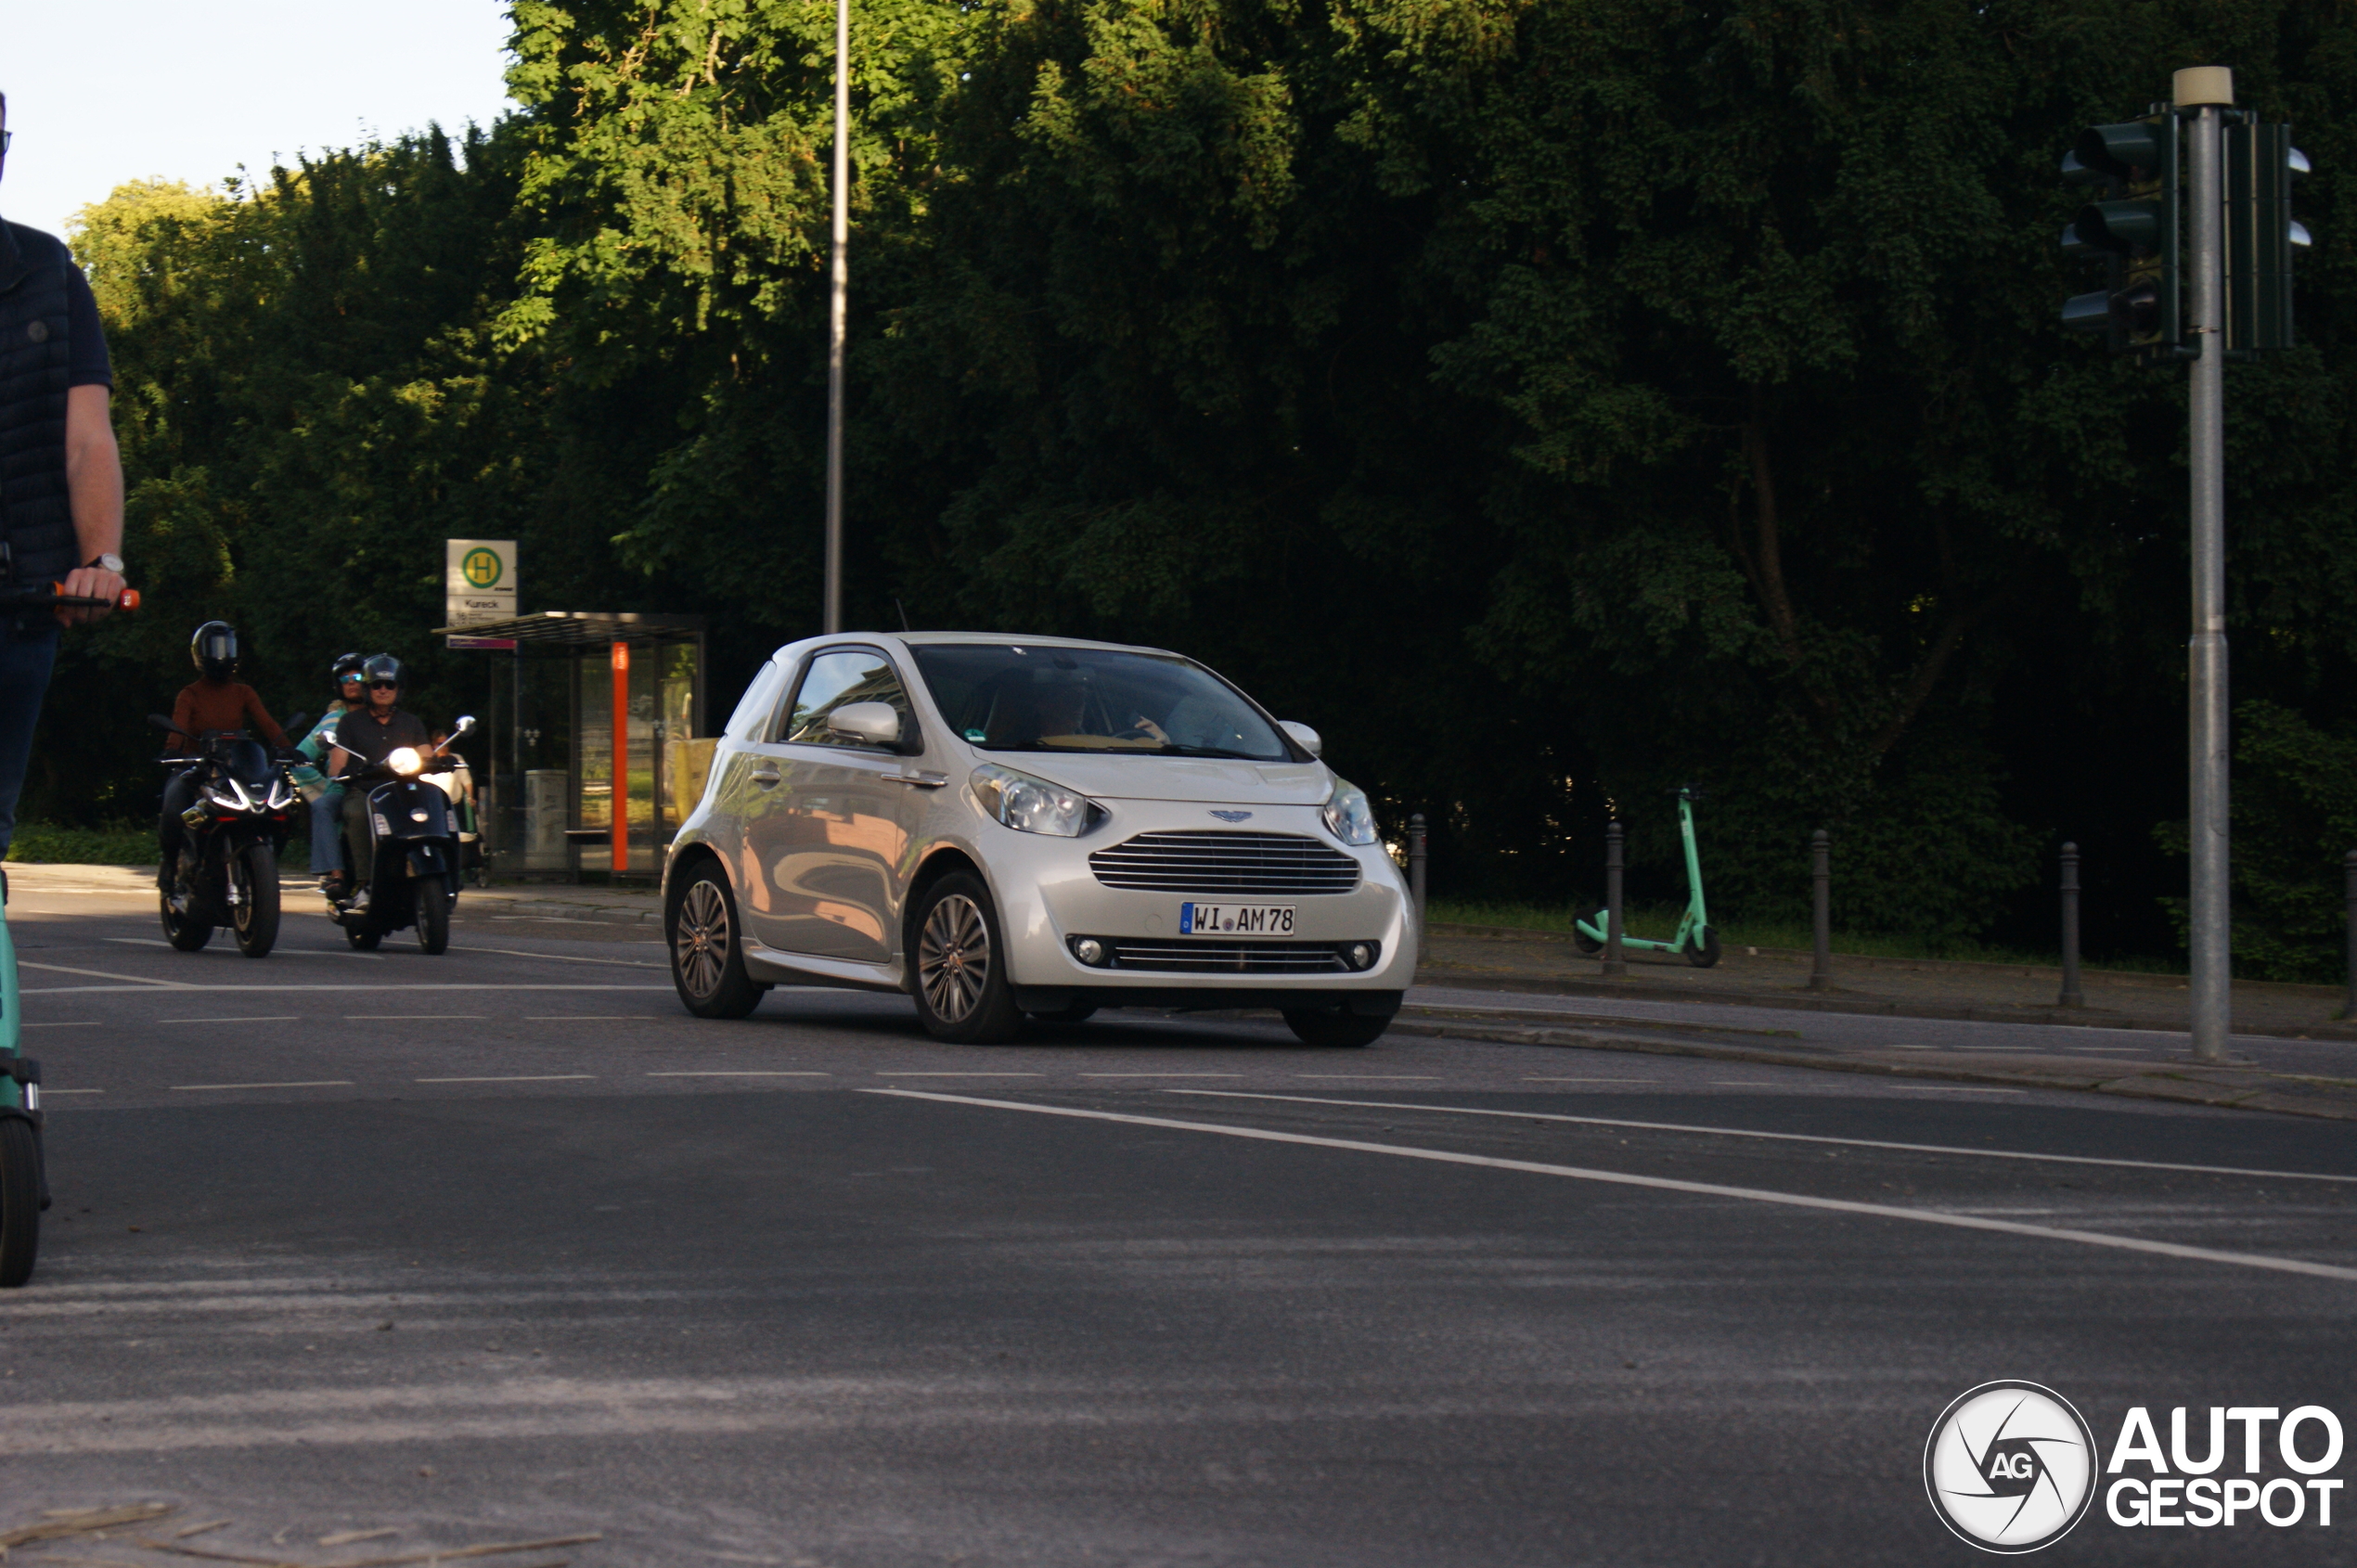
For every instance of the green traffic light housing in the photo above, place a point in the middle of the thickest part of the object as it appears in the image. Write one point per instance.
(2261, 235)
(2129, 153)
(2132, 228)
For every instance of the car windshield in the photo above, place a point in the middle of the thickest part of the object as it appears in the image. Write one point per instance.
(1018, 698)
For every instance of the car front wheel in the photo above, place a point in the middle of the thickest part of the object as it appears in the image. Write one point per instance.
(960, 983)
(707, 953)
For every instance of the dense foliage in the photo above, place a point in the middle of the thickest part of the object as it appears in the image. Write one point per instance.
(1552, 404)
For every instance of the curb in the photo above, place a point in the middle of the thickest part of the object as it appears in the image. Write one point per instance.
(2256, 1091)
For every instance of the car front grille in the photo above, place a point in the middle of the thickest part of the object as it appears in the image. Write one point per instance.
(1229, 957)
(1214, 862)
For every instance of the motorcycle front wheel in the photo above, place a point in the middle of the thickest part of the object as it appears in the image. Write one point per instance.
(182, 930)
(19, 1202)
(255, 871)
(432, 895)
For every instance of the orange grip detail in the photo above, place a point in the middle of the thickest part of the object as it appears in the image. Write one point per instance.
(130, 599)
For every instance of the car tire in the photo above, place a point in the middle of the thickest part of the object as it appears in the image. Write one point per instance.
(1334, 1027)
(708, 950)
(958, 966)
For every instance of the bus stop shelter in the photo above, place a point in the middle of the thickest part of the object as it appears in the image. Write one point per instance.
(634, 732)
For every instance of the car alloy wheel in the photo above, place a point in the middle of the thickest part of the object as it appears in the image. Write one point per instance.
(702, 940)
(953, 957)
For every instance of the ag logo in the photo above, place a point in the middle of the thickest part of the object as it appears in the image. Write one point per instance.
(481, 568)
(2010, 1467)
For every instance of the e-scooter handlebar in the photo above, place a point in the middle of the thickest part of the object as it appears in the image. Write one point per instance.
(53, 596)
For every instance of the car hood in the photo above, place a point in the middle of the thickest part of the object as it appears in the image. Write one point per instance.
(1217, 779)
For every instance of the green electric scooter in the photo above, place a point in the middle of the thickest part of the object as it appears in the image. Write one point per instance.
(1695, 936)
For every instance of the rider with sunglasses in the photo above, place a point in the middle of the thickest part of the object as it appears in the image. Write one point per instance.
(364, 738)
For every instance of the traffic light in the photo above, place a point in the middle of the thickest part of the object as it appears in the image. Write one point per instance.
(2261, 235)
(2132, 228)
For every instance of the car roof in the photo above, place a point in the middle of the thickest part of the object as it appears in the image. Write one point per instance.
(1002, 639)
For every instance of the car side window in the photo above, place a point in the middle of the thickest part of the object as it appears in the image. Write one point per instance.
(838, 678)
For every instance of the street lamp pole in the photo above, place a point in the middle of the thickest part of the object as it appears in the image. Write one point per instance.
(2205, 91)
(840, 284)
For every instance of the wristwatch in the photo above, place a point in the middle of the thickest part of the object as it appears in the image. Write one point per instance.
(109, 563)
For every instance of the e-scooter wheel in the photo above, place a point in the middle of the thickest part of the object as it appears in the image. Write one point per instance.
(1704, 954)
(19, 1202)
(257, 919)
(183, 932)
(1584, 943)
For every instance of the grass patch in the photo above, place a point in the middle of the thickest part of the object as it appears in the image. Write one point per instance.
(1658, 923)
(116, 844)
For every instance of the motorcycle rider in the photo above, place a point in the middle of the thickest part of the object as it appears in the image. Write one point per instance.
(325, 794)
(215, 699)
(364, 738)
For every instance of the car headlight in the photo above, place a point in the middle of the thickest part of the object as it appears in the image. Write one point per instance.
(405, 760)
(1032, 805)
(1349, 817)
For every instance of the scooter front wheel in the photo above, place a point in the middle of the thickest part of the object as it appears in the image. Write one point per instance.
(1581, 940)
(433, 899)
(19, 1202)
(1703, 953)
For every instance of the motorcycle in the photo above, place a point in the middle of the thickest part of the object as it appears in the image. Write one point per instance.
(236, 830)
(414, 826)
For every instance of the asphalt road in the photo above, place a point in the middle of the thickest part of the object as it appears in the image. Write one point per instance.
(501, 1244)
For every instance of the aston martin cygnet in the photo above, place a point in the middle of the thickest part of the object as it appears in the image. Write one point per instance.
(1010, 829)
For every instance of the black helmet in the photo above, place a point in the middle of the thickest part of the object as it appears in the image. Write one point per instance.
(346, 668)
(214, 649)
(381, 667)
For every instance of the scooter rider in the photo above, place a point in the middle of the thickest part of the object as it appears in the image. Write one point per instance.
(215, 699)
(363, 740)
(324, 793)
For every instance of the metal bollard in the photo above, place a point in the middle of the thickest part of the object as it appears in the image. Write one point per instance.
(1820, 871)
(1615, 955)
(1416, 866)
(2349, 877)
(2073, 995)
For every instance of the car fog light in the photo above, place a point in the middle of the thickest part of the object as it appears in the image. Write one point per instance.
(1088, 950)
(1361, 955)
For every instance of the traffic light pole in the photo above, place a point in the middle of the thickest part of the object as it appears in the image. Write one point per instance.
(839, 283)
(2205, 91)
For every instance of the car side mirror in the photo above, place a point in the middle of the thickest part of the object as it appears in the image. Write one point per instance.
(867, 724)
(1302, 736)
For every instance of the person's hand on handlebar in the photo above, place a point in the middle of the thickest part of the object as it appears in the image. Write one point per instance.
(89, 582)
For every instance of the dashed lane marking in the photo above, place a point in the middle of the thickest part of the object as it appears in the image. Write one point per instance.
(63, 1023)
(275, 1018)
(1781, 1137)
(135, 981)
(519, 1078)
(345, 989)
(738, 1075)
(1657, 1183)
(1591, 1080)
(306, 1084)
(1162, 1075)
(411, 1017)
(961, 1074)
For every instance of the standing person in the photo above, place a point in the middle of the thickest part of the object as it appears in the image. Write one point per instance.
(324, 793)
(363, 740)
(61, 511)
(215, 699)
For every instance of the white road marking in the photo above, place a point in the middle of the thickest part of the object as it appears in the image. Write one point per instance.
(410, 1017)
(70, 1023)
(960, 1074)
(588, 1018)
(1746, 1082)
(1659, 1184)
(1375, 1077)
(521, 1078)
(48, 1093)
(740, 1074)
(1960, 1088)
(280, 1017)
(308, 1084)
(1591, 1080)
(1785, 1138)
(107, 975)
(562, 957)
(1162, 1075)
(275, 952)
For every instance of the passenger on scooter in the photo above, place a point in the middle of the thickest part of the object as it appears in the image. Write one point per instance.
(215, 699)
(363, 740)
(324, 793)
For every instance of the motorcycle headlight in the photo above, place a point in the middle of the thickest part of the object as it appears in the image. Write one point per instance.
(1031, 805)
(281, 794)
(405, 760)
(1348, 815)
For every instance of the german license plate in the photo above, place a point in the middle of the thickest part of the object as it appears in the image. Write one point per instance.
(1235, 919)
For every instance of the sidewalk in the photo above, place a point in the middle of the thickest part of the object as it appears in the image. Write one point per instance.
(1500, 958)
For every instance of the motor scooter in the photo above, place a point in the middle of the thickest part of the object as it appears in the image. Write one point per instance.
(234, 831)
(24, 1180)
(414, 829)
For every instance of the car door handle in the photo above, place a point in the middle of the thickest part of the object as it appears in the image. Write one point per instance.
(922, 780)
(766, 777)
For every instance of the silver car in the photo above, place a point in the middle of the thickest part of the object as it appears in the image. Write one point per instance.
(1011, 828)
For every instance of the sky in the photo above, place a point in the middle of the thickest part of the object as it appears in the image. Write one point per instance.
(104, 90)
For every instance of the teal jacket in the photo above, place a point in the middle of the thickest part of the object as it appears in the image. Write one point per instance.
(310, 779)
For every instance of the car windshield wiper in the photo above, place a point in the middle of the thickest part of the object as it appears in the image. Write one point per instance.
(1172, 749)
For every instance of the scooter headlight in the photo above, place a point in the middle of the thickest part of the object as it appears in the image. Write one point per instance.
(406, 760)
